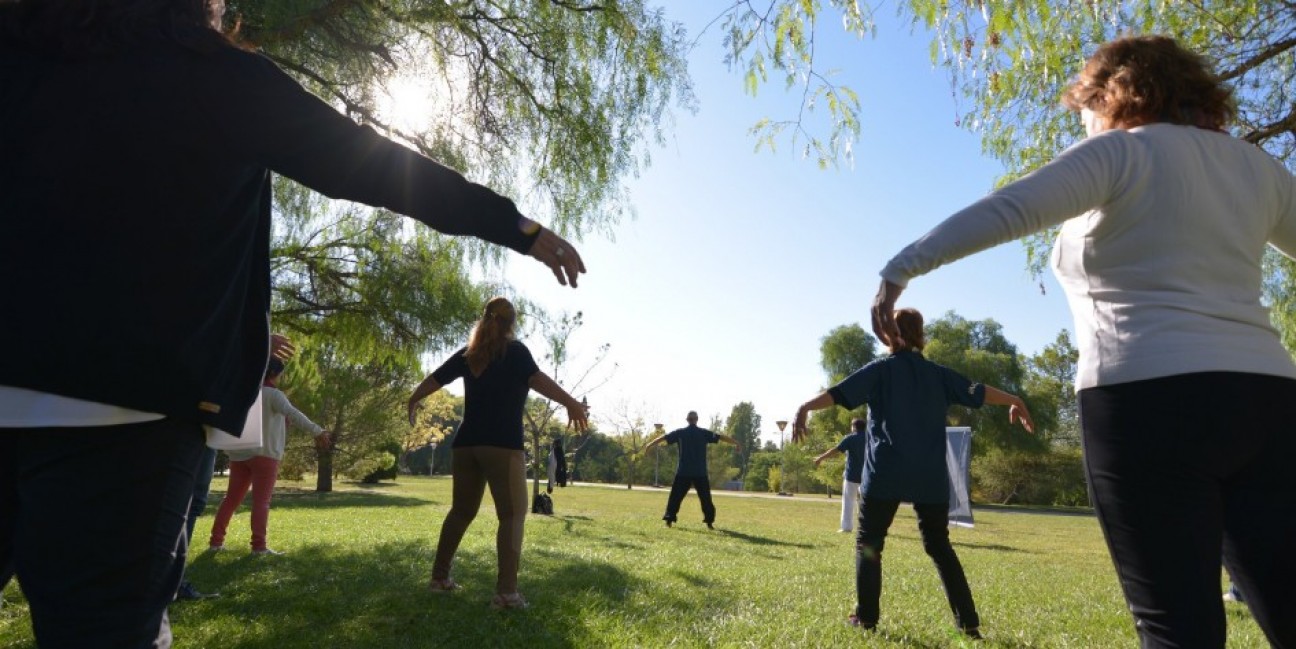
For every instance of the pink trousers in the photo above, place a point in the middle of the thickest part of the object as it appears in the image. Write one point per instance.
(260, 474)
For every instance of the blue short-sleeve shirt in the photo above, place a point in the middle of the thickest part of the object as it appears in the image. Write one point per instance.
(493, 402)
(855, 446)
(908, 397)
(692, 449)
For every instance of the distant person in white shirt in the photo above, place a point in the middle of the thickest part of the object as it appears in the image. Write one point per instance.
(258, 468)
(1183, 383)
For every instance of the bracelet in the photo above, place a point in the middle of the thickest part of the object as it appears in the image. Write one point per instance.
(528, 227)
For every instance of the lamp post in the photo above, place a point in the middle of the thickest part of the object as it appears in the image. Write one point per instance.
(657, 456)
(782, 424)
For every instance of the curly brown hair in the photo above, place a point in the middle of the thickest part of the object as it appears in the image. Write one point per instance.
(1138, 80)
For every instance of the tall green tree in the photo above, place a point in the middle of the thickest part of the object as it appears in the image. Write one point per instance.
(845, 349)
(842, 351)
(1050, 382)
(978, 350)
(743, 425)
(551, 101)
(360, 403)
(558, 95)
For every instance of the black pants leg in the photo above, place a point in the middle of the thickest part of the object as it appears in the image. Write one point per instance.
(95, 527)
(874, 521)
(679, 488)
(703, 486)
(933, 523)
(1181, 469)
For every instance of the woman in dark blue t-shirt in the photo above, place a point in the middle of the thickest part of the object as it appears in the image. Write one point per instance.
(904, 459)
(498, 373)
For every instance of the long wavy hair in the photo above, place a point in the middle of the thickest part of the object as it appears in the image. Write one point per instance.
(491, 335)
(80, 28)
(1143, 79)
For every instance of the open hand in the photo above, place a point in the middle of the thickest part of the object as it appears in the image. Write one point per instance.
(561, 257)
(413, 412)
(1017, 413)
(799, 424)
(281, 348)
(578, 417)
(884, 326)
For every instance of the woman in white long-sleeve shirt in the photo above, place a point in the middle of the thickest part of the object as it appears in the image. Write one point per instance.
(1164, 221)
(258, 468)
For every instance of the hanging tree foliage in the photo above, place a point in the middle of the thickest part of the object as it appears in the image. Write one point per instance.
(1008, 62)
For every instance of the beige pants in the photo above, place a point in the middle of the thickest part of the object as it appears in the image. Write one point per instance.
(504, 470)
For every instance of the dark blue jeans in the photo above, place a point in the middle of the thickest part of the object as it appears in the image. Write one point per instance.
(202, 485)
(92, 520)
(1181, 470)
(875, 520)
(680, 488)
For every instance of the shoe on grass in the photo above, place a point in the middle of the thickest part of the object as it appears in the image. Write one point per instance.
(446, 585)
(215, 548)
(509, 601)
(264, 552)
(853, 620)
(187, 592)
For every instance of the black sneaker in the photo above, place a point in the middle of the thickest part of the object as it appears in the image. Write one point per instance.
(186, 591)
(972, 632)
(669, 522)
(710, 526)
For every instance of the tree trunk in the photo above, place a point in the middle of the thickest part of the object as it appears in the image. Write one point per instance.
(324, 479)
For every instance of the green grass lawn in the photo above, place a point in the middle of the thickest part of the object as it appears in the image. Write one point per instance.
(606, 572)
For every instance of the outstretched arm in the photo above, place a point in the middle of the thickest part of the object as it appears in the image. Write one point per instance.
(424, 390)
(659, 439)
(577, 417)
(1017, 412)
(729, 440)
(820, 402)
(825, 455)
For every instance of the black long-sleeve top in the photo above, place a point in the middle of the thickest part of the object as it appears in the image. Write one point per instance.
(135, 219)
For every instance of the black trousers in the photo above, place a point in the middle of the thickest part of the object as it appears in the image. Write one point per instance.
(680, 488)
(1182, 469)
(875, 519)
(92, 520)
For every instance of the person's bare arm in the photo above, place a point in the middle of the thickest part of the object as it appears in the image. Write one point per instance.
(824, 400)
(729, 440)
(424, 390)
(577, 417)
(825, 455)
(1017, 412)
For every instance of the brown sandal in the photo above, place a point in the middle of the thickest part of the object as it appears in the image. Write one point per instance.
(509, 601)
(446, 585)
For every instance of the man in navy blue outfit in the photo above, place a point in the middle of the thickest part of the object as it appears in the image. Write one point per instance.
(692, 469)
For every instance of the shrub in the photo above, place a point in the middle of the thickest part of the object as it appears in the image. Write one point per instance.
(1054, 477)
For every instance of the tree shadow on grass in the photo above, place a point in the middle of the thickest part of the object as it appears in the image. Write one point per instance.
(292, 498)
(321, 596)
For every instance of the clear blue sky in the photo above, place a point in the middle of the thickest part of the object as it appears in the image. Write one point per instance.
(738, 262)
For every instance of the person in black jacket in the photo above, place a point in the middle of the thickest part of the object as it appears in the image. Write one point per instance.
(136, 146)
